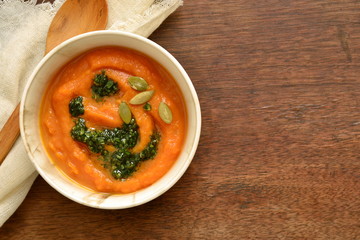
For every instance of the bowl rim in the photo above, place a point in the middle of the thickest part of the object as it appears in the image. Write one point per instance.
(195, 139)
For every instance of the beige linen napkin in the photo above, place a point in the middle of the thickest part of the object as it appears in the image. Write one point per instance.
(23, 30)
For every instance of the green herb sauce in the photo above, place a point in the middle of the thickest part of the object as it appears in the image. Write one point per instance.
(147, 106)
(121, 163)
(103, 86)
(76, 107)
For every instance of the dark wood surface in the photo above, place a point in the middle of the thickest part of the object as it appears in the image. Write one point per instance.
(279, 157)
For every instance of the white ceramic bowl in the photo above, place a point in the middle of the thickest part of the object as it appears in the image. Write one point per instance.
(29, 118)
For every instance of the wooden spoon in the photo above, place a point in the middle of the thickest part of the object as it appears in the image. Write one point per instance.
(73, 18)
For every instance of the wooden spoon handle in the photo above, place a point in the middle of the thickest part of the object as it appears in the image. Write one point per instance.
(9, 133)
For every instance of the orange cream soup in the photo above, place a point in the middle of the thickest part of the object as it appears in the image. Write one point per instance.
(75, 79)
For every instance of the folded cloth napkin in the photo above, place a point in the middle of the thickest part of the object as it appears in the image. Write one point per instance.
(23, 30)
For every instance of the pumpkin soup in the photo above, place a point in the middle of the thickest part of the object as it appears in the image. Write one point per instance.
(113, 120)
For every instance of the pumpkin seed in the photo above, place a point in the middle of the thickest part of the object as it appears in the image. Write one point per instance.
(138, 83)
(142, 97)
(125, 112)
(165, 112)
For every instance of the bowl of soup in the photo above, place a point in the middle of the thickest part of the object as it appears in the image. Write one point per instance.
(110, 119)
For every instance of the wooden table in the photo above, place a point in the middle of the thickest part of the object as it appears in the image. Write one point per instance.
(279, 157)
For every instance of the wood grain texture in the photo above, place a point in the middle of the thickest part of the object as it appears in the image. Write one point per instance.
(278, 82)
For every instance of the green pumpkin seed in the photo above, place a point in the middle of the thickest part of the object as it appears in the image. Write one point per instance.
(138, 83)
(125, 112)
(165, 113)
(142, 97)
